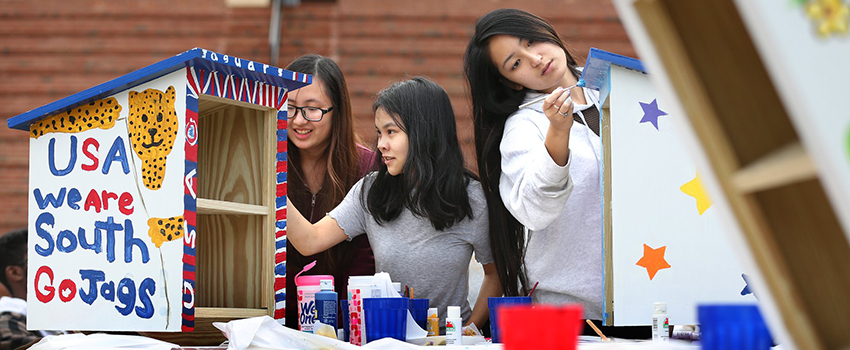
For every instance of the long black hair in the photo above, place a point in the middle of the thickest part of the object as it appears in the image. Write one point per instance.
(494, 99)
(433, 180)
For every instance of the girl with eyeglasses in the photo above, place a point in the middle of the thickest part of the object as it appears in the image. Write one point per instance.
(325, 158)
(422, 210)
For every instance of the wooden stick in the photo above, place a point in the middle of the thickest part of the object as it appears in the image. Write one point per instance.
(598, 332)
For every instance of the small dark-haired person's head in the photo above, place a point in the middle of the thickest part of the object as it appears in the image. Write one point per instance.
(13, 262)
(422, 110)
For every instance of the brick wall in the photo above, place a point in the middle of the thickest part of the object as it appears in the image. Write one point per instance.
(50, 49)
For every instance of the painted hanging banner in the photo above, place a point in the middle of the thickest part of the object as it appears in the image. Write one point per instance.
(106, 212)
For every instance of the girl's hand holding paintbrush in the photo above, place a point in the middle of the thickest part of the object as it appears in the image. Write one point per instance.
(558, 108)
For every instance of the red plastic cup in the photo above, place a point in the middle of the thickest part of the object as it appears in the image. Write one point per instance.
(540, 327)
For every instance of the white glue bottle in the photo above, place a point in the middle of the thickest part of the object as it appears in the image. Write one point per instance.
(454, 326)
(660, 324)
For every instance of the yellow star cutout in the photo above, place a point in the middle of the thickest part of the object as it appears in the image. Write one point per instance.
(830, 16)
(694, 189)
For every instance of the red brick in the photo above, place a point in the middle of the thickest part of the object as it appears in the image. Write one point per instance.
(50, 49)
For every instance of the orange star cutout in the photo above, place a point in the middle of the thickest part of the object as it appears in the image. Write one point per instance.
(653, 260)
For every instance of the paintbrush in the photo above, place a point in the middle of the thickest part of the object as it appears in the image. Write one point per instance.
(598, 332)
(541, 98)
(533, 288)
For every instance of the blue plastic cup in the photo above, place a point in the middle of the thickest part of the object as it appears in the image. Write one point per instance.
(344, 312)
(419, 311)
(385, 318)
(498, 302)
(733, 327)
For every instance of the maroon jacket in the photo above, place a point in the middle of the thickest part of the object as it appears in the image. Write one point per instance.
(357, 259)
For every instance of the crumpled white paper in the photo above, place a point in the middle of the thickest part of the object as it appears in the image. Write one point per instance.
(100, 341)
(264, 333)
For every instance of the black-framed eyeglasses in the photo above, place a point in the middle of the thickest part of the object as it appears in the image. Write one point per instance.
(313, 114)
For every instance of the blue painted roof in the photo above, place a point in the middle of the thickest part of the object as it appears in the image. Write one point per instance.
(197, 57)
(595, 73)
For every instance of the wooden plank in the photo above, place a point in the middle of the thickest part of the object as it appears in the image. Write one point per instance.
(267, 254)
(211, 206)
(231, 154)
(229, 268)
(671, 38)
(608, 234)
(784, 166)
(225, 312)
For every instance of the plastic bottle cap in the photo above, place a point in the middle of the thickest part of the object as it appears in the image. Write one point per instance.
(660, 306)
(326, 285)
(453, 312)
(432, 312)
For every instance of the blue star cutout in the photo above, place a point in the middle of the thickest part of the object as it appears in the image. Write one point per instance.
(746, 285)
(651, 113)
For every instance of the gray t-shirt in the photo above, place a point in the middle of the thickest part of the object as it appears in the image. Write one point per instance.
(435, 264)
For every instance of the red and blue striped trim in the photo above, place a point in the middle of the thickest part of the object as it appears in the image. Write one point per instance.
(190, 199)
(280, 215)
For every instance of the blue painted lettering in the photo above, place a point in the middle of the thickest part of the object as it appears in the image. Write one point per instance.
(117, 154)
(95, 246)
(74, 196)
(66, 235)
(93, 276)
(56, 201)
(126, 295)
(146, 289)
(51, 158)
(44, 218)
(107, 291)
(130, 241)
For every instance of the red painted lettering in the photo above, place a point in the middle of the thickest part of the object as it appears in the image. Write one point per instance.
(46, 295)
(92, 200)
(105, 196)
(89, 155)
(125, 203)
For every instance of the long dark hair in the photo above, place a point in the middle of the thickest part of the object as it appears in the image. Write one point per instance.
(493, 101)
(341, 157)
(433, 180)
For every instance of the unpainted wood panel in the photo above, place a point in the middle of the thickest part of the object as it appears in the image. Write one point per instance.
(229, 261)
(815, 251)
(230, 155)
(735, 79)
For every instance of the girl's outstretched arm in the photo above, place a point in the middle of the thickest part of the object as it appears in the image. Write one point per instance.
(310, 238)
(490, 287)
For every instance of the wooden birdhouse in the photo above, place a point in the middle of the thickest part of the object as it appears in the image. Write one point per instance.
(157, 199)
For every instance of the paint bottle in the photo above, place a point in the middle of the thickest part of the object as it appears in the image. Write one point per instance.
(326, 303)
(660, 323)
(433, 323)
(454, 326)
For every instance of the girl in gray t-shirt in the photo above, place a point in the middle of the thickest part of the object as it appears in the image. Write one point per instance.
(423, 212)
